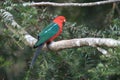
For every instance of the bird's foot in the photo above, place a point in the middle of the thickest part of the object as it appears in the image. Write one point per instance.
(48, 45)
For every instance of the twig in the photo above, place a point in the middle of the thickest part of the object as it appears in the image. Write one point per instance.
(103, 51)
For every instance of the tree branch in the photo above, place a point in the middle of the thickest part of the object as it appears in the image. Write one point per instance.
(59, 45)
(16, 28)
(80, 42)
(69, 4)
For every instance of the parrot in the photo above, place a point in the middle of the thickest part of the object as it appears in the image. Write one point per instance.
(47, 35)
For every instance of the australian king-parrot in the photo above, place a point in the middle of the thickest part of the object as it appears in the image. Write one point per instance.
(47, 35)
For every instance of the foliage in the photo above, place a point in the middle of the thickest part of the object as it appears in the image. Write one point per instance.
(84, 63)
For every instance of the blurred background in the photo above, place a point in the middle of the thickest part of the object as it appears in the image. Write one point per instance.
(84, 63)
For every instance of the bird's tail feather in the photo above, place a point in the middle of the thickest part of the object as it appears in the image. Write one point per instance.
(35, 55)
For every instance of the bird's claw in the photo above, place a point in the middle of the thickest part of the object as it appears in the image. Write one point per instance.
(48, 45)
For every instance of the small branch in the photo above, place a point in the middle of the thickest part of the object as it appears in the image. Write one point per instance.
(103, 51)
(70, 4)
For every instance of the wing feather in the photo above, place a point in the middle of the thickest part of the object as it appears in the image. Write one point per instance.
(47, 33)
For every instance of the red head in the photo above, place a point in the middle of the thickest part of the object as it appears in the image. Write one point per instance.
(60, 20)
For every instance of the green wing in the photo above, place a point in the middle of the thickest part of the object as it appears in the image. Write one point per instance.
(47, 33)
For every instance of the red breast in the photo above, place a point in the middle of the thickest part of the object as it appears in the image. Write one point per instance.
(58, 20)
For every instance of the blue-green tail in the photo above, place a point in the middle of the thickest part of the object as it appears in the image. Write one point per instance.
(36, 54)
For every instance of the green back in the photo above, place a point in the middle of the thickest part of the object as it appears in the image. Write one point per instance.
(47, 33)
